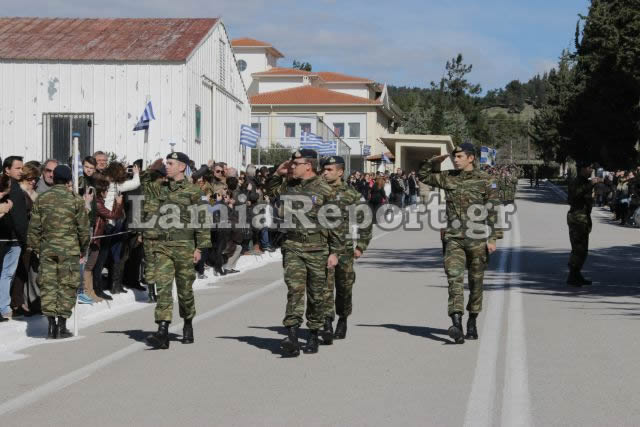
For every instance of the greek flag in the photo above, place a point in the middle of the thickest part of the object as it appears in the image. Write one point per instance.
(146, 117)
(385, 159)
(487, 156)
(249, 136)
(366, 150)
(311, 141)
(329, 148)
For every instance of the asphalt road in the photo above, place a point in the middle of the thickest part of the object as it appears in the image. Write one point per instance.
(547, 354)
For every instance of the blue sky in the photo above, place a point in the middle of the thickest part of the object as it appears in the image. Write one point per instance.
(402, 42)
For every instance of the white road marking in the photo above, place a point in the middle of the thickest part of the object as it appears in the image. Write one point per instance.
(73, 377)
(481, 403)
(516, 408)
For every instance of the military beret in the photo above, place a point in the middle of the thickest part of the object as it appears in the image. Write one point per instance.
(334, 160)
(466, 147)
(181, 157)
(305, 153)
(62, 173)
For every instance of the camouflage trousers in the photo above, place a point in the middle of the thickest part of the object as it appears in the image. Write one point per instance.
(472, 255)
(305, 272)
(341, 279)
(579, 229)
(59, 277)
(149, 266)
(173, 260)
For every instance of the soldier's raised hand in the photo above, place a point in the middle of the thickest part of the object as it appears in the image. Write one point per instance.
(283, 169)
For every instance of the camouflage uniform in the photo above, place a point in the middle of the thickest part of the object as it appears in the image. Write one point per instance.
(462, 190)
(306, 251)
(579, 220)
(170, 250)
(343, 276)
(59, 235)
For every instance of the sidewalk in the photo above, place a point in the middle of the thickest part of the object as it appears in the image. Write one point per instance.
(24, 332)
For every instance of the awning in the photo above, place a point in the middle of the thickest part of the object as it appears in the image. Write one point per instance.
(378, 157)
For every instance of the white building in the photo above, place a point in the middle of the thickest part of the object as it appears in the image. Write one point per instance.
(94, 76)
(286, 102)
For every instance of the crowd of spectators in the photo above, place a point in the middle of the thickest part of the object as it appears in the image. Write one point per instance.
(115, 261)
(620, 192)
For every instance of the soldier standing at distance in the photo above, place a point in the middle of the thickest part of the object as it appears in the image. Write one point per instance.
(579, 221)
(59, 235)
(308, 252)
(175, 249)
(467, 190)
(344, 276)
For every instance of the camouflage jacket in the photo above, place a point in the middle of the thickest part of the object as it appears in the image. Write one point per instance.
(320, 193)
(580, 196)
(184, 195)
(59, 224)
(462, 191)
(347, 197)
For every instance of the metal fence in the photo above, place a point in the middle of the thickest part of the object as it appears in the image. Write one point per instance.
(276, 145)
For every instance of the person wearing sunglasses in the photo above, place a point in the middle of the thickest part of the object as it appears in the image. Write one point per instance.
(308, 251)
(46, 181)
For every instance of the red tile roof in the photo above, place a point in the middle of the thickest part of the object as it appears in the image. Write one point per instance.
(308, 95)
(331, 77)
(249, 42)
(282, 71)
(101, 39)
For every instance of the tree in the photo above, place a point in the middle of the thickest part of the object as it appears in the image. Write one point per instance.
(417, 121)
(304, 66)
(602, 119)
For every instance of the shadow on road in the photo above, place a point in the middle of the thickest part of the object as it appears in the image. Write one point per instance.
(418, 331)
(269, 344)
(402, 260)
(139, 335)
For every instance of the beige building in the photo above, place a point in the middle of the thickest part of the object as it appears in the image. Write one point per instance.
(409, 151)
(286, 102)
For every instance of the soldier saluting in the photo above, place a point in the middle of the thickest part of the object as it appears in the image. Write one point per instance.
(308, 250)
(579, 222)
(468, 191)
(175, 249)
(59, 234)
(344, 276)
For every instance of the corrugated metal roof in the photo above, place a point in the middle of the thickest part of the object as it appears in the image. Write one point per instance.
(119, 39)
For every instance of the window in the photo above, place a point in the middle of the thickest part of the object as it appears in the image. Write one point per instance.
(223, 62)
(354, 130)
(242, 65)
(338, 129)
(305, 127)
(198, 124)
(58, 129)
(290, 130)
(257, 126)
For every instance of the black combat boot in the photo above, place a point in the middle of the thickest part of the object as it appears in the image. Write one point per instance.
(327, 332)
(187, 332)
(312, 342)
(52, 332)
(574, 278)
(290, 344)
(341, 329)
(160, 339)
(152, 292)
(582, 279)
(472, 330)
(62, 331)
(455, 331)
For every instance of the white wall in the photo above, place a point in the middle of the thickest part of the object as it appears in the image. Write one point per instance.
(222, 115)
(353, 142)
(279, 83)
(356, 89)
(256, 61)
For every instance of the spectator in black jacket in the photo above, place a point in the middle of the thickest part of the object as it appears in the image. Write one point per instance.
(13, 231)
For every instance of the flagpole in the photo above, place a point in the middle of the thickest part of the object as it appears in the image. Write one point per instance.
(74, 161)
(145, 149)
